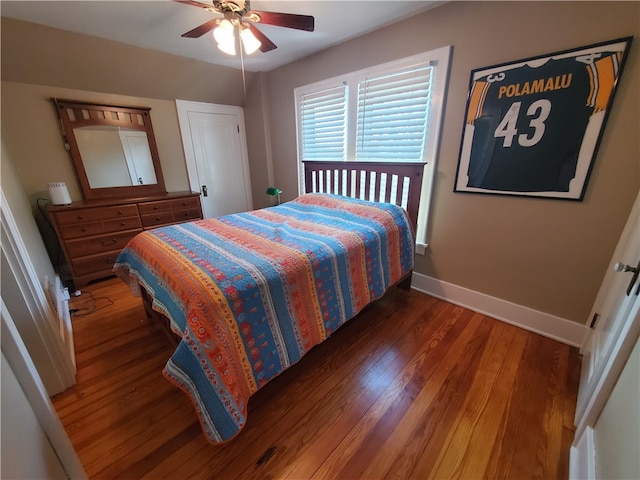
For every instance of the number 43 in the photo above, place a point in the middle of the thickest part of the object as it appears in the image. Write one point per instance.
(538, 112)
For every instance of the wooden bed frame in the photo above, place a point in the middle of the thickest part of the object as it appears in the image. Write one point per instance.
(399, 183)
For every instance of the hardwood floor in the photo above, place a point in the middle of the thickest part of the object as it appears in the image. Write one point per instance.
(414, 387)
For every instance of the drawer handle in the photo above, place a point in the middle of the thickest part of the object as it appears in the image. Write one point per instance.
(106, 243)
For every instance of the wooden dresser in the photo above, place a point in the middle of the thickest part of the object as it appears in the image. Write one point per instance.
(92, 234)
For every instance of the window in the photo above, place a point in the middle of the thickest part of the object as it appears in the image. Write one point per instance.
(323, 124)
(392, 115)
(390, 112)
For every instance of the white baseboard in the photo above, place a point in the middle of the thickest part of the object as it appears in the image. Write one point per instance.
(558, 328)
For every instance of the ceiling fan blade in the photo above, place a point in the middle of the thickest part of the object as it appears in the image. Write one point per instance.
(194, 3)
(266, 45)
(288, 20)
(202, 29)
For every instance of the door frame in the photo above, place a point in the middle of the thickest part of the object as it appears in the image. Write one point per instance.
(39, 317)
(183, 108)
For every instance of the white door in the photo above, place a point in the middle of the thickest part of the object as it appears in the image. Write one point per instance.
(215, 149)
(617, 325)
(138, 157)
(39, 446)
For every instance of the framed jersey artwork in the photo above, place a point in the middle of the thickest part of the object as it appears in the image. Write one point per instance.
(533, 126)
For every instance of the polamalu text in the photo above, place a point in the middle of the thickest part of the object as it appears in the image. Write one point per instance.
(536, 86)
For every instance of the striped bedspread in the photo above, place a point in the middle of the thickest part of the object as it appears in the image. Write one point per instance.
(250, 293)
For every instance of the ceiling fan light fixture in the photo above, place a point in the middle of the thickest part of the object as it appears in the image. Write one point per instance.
(249, 40)
(228, 47)
(224, 35)
(238, 13)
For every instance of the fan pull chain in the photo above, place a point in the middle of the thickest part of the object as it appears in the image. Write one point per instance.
(244, 81)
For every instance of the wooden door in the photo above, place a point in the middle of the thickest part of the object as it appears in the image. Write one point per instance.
(214, 141)
(616, 326)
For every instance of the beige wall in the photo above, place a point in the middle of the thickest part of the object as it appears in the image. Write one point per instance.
(548, 255)
(46, 56)
(256, 114)
(18, 203)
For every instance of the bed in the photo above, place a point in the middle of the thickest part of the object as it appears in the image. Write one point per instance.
(247, 295)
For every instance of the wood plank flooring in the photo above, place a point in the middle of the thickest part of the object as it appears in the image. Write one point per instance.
(412, 388)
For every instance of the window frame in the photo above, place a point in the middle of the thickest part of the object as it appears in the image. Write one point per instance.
(438, 58)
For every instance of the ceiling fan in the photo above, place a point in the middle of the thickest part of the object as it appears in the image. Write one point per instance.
(238, 13)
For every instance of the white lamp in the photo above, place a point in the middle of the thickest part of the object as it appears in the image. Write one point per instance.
(58, 193)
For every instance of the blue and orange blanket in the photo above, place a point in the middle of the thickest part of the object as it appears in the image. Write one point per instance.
(250, 293)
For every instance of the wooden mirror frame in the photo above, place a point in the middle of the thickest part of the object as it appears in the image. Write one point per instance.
(74, 114)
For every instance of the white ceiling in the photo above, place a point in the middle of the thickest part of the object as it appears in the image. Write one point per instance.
(158, 25)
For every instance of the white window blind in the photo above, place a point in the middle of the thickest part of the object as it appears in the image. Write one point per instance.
(392, 115)
(323, 122)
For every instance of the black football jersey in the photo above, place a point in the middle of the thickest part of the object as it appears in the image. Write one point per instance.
(529, 121)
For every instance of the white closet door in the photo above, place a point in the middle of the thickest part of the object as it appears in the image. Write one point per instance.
(616, 314)
(215, 148)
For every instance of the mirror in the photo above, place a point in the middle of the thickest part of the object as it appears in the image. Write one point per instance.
(113, 149)
(114, 157)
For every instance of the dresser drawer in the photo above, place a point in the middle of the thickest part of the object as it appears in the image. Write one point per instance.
(101, 243)
(119, 211)
(154, 207)
(80, 215)
(184, 215)
(82, 230)
(88, 215)
(96, 228)
(95, 263)
(120, 224)
(186, 203)
(156, 219)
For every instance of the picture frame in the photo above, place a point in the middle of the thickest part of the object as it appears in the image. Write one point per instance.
(533, 126)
